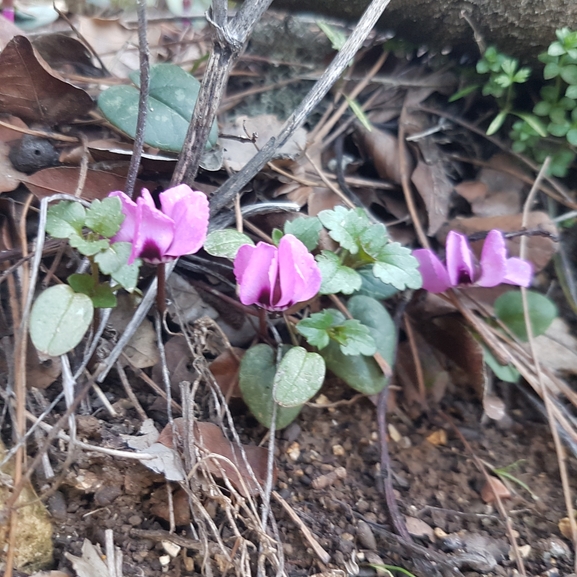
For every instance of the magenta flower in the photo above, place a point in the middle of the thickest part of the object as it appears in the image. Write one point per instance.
(462, 268)
(276, 278)
(158, 236)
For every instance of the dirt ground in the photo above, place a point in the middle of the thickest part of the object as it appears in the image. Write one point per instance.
(437, 485)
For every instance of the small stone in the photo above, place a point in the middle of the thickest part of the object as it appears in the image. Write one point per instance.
(405, 443)
(171, 548)
(322, 400)
(418, 528)
(438, 437)
(347, 537)
(293, 451)
(366, 536)
(494, 487)
(524, 551)
(439, 533)
(135, 520)
(164, 560)
(339, 451)
(565, 528)
(106, 495)
(394, 433)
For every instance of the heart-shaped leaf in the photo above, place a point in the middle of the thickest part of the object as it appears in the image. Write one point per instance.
(59, 319)
(172, 96)
(225, 243)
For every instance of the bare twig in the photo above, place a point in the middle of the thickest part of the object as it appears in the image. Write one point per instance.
(143, 98)
(235, 184)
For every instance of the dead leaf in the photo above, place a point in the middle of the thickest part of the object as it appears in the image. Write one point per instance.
(494, 486)
(41, 371)
(265, 126)
(225, 370)
(435, 189)
(64, 179)
(178, 358)
(7, 134)
(211, 440)
(383, 148)
(159, 506)
(10, 178)
(557, 348)
(540, 249)
(91, 563)
(30, 89)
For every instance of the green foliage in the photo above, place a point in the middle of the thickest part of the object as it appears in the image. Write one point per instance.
(104, 217)
(256, 379)
(550, 129)
(114, 262)
(172, 97)
(65, 219)
(353, 337)
(509, 310)
(59, 319)
(225, 243)
(306, 228)
(360, 372)
(336, 277)
(298, 378)
(507, 373)
(365, 243)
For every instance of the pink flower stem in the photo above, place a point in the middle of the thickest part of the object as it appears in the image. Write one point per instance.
(161, 290)
(262, 323)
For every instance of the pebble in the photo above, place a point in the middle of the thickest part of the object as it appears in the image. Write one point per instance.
(135, 520)
(339, 451)
(106, 495)
(171, 548)
(293, 451)
(366, 536)
(57, 506)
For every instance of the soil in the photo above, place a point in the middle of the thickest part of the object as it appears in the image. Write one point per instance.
(438, 485)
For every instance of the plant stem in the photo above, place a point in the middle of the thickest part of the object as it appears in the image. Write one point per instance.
(161, 291)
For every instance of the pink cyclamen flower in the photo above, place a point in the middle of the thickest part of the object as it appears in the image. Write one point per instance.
(160, 235)
(276, 278)
(462, 268)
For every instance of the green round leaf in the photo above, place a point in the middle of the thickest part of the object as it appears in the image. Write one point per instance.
(59, 319)
(114, 262)
(256, 377)
(306, 228)
(172, 96)
(65, 219)
(105, 217)
(509, 310)
(359, 372)
(225, 243)
(335, 276)
(569, 73)
(373, 287)
(299, 377)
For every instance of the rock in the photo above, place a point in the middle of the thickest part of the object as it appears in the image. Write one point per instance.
(520, 29)
(365, 536)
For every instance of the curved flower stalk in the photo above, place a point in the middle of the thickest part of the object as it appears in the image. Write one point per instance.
(463, 269)
(160, 235)
(276, 278)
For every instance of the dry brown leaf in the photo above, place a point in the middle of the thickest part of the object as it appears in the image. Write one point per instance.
(64, 179)
(10, 178)
(492, 487)
(30, 89)
(7, 134)
(211, 440)
(265, 126)
(557, 348)
(322, 199)
(383, 148)
(225, 370)
(540, 249)
(472, 190)
(177, 360)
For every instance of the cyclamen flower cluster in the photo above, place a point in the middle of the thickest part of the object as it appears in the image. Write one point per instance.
(462, 269)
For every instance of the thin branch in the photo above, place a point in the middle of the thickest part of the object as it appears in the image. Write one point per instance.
(235, 184)
(144, 56)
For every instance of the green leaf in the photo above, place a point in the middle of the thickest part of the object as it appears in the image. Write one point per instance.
(355, 338)
(398, 267)
(533, 122)
(497, 122)
(59, 319)
(556, 49)
(336, 37)
(298, 378)
(571, 92)
(65, 219)
(572, 136)
(507, 373)
(101, 294)
(306, 228)
(359, 113)
(88, 246)
(315, 329)
(464, 92)
(225, 243)
(360, 372)
(105, 217)
(569, 74)
(114, 262)
(509, 310)
(276, 235)
(256, 377)
(551, 70)
(173, 94)
(335, 276)
(542, 108)
(373, 287)
(345, 226)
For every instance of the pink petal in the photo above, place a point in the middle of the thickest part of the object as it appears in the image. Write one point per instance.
(154, 233)
(460, 260)
(190, 213)
(493, 260)
(300, 277)
(146, 198)
(254, 267)
(128, 226)
(435, 276)
(519, 272)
